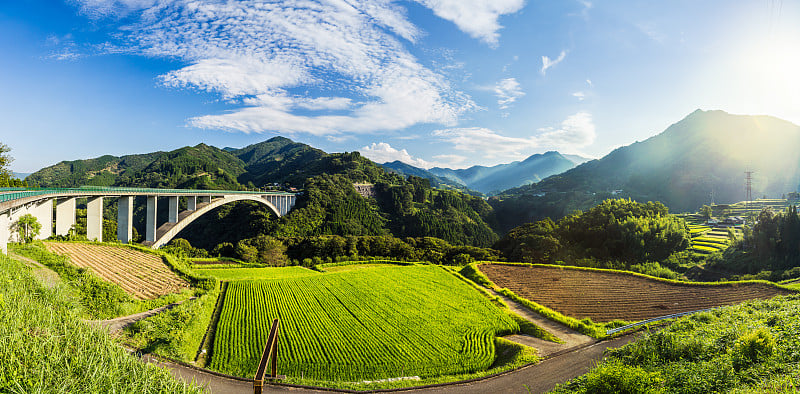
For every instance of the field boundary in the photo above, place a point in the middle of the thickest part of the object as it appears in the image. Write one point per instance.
(211, 330)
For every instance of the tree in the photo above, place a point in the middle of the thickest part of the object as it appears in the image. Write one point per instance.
(5, 161)
(705, 212)
(27, 227)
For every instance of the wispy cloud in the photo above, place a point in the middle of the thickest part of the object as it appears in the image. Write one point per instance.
(548, 63)
(574, 132)
(579, 95)
(507, 91)
(478, 18)
(265, 58)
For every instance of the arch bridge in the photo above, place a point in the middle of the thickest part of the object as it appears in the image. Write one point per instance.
(58, 204)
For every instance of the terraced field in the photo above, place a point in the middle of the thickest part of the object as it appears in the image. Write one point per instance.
(143, 275)
(372, 323)
(231, 274)
(606, 296)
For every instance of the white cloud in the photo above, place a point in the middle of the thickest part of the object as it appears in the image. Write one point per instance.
(453, 161)
(265, 58)
(579, 95)
(574, 132)
(549, 63)
(478, 18)
(507, 91)
(381, 152)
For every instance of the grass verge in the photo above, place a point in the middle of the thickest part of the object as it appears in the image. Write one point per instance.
(44, 347)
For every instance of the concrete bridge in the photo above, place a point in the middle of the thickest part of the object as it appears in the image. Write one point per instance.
(59, 204)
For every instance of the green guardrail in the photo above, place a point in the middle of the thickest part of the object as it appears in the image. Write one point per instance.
(10, 194)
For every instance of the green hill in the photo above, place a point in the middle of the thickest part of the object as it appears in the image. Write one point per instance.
(706, 151)
(329, 205)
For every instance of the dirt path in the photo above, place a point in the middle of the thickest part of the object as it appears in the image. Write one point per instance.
(45, 275)
(119, 323)
(570, 337)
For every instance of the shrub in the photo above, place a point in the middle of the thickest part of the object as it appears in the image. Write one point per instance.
(753, 347)
(618, 378)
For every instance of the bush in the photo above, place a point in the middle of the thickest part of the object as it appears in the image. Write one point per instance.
(753, 347)
(618, 378)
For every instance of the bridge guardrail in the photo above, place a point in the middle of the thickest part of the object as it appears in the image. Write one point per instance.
(9, 194)
(655, 319)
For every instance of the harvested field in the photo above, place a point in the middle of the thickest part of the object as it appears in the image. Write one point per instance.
(143, 275)
(607, 296)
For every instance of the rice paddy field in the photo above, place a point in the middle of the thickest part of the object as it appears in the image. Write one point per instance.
(375, 322)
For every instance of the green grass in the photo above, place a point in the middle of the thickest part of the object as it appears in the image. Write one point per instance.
(374, 323)
(44, 347)
(231, 274)
(747, 348)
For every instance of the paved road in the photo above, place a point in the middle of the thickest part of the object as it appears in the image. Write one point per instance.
(539, 378)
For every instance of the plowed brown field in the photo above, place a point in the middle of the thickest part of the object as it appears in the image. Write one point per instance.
(142, 275)
(606, 296)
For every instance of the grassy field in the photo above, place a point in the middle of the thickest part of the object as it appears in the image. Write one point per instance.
(373, 323)
(748, 348)
(46, 348)
(232, 274)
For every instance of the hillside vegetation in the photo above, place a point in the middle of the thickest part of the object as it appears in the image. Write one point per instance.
(706, 151)
(47, 348)
(748, 348)
(329, 205)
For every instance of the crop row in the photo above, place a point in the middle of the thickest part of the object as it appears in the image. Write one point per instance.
(140, 274)
(608, 296)
(376, 323)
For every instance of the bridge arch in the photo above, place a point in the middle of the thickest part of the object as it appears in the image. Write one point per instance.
(168, 231)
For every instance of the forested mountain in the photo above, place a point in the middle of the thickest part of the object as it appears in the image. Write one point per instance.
(329, 205)
(494, 179)
(708, 151)
(436, 181)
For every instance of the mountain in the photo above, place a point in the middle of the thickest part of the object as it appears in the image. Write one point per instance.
(20, 175)
(329, 204)
(401, 168)
(492, 180)
(707, 151)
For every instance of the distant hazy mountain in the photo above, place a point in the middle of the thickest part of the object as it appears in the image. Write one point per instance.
(491, 180)
(20, 175)
(436, 181)
(708, 151)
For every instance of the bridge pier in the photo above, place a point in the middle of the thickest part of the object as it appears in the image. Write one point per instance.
(150, 219)
(172, 202)
(191, 203)
(65, 215)
(204, 199)
(44, 214)
(125, 219)
(94, 219)
(5, 231)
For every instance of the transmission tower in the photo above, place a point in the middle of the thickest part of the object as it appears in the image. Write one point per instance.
(748, 187)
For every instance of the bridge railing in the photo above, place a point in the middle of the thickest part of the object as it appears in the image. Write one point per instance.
(655, 319)
(9, 194)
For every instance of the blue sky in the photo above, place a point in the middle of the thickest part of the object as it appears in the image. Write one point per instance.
(430, 82)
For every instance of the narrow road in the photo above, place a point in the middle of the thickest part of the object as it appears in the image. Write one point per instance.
(45, 275)
(570, 337)
(119, 323)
